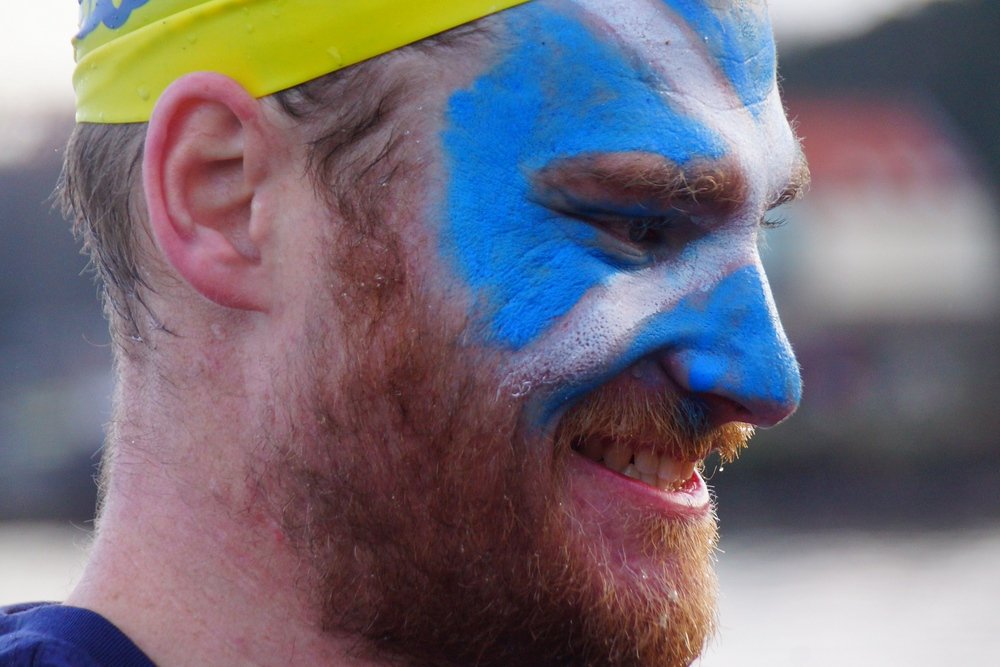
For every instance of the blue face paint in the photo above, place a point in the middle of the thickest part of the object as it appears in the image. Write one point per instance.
(741, 39)
(728, 342)
(560, 91)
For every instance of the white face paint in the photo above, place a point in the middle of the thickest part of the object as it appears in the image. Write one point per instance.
(752, 124)
(601, 183)
(686, 83)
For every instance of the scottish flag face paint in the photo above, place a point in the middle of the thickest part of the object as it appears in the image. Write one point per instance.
(570, 261)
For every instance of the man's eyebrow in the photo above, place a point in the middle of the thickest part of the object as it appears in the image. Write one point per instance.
(650, 181)
(644, 181)
(798, 182)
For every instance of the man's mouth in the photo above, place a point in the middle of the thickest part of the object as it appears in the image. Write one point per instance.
(640, 462)
(636, 443)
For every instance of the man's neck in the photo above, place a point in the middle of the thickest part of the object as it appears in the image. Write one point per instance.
(200, 572)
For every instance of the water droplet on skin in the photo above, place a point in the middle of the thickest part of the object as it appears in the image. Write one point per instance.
(192, 38)
(334, 53)
(143, 93)
(249, 27)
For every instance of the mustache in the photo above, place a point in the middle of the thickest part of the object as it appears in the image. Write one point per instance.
(671, 423)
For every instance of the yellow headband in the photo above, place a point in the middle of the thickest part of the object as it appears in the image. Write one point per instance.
(129, 51)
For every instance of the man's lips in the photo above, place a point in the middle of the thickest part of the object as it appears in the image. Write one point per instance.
(657, 481)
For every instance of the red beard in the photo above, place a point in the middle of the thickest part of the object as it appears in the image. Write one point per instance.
(437, 526)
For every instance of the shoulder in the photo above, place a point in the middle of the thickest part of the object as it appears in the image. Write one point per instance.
(27, 649)
(22, 644)
(53, 635)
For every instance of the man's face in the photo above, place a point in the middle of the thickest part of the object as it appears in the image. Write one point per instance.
(576, 317)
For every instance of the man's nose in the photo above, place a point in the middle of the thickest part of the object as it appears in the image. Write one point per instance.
(729, 348)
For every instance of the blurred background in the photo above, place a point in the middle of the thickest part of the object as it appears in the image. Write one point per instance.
(866, 531)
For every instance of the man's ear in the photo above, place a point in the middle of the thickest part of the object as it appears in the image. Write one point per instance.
(206, 157)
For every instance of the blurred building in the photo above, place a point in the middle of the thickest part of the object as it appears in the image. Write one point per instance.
(901, 226)
(55, 377)
(886, 277)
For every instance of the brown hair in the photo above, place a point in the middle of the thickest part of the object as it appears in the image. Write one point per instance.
(346, 112)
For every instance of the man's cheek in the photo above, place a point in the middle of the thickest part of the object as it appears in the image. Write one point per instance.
(522, 278)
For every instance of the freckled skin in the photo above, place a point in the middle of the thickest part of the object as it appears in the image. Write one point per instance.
(588, 78)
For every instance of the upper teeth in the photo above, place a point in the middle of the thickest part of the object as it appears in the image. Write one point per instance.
(659, 470)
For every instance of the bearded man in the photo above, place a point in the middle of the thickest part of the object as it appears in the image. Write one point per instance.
(426, 315)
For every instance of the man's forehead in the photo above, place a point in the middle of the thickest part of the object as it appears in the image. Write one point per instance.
(710, 18)
(683, 79)
(695, 41)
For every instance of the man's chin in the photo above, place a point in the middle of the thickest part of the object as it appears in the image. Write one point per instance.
(647, 555)
(636, 517)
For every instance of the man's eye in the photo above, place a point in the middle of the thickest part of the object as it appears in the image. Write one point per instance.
(640, 231)
(646, 231)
